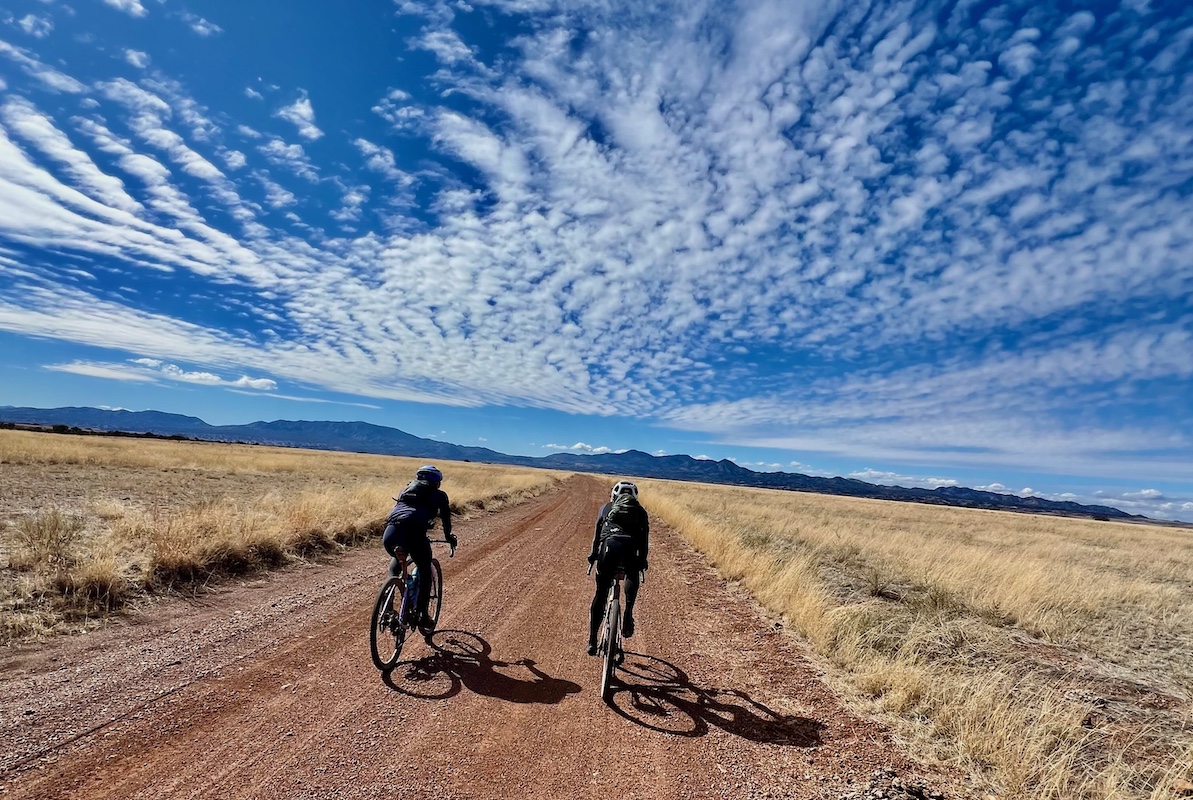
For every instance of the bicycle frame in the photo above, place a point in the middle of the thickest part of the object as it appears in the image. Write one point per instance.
(404, 617)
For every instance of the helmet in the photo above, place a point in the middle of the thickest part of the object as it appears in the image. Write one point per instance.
(623, 487)
(429, 474)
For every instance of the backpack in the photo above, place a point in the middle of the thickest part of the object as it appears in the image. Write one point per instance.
(624, 517)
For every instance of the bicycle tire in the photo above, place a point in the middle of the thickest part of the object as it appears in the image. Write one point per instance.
(386, 634)
(435, 604)
(613, 625)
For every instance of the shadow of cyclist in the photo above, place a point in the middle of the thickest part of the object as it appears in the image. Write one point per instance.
(658, 695)
(463, 660)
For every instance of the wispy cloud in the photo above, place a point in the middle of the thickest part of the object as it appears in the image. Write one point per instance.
(302, 115)
(290, 156)
(36, 26)
(296, 399)
(579, 447)
(152, 370)
(46, 76)
(138, 58)
(886, 478)
(196, 23)
(131, 7)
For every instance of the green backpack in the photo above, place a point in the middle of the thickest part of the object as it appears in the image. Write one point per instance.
(624, 517)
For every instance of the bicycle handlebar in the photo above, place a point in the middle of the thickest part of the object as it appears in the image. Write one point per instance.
(444, 541)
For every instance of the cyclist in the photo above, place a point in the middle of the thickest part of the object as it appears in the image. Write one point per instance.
(621, 542)
(417, 506)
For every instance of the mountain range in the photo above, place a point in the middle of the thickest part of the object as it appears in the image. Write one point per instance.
(368, 438)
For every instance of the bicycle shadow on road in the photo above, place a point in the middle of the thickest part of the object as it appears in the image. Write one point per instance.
(462, 660)
(658, 695)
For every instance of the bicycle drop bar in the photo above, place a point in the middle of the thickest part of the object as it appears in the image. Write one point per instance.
(444, 541)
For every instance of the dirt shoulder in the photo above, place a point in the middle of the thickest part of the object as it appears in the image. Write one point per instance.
(265, 688)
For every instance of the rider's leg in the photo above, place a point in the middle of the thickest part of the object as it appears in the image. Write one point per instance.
(631, 596)
(390, 540)
(419, 549)
(604, 580)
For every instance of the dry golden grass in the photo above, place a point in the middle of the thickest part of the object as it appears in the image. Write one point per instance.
(91, 523)
(1047, 655)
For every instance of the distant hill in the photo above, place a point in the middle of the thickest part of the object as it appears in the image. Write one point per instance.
(368, 438)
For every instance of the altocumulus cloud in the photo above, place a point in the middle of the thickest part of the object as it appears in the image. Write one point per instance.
(152, 370)
(939, 233)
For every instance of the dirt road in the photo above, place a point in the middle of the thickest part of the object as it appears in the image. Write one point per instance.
(266, 689)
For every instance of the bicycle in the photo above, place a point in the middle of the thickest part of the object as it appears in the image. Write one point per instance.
(609, 646)
(396, 612)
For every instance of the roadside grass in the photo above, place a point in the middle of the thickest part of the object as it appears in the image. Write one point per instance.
(1048, 657)
(65, 566)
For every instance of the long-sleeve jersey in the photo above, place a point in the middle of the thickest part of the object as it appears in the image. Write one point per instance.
(422, 502)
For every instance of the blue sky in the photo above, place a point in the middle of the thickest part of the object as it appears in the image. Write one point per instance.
(917, 243)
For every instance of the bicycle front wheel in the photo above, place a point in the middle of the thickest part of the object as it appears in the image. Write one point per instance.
(612, 646)
(435, 604)
(386, 633)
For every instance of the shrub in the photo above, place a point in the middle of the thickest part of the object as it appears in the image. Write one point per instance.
(46, 540)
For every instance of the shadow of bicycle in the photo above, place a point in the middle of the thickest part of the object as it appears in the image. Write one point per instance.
(658, 695)
(462, 660)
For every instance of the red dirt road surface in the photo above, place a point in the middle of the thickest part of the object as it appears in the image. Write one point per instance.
(266, 689)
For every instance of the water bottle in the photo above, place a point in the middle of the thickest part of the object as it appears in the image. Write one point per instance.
(412, 595)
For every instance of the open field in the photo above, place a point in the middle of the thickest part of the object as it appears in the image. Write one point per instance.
(91, 524)
(264, 688)
(1049, 655)
(1046, 656)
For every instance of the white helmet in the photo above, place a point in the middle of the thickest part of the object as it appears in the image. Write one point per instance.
(623, 487)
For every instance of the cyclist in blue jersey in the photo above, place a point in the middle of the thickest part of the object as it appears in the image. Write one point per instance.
(417, 507)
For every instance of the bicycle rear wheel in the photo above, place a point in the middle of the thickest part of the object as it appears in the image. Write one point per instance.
(435, 604)
(386, 633)
(612, 636)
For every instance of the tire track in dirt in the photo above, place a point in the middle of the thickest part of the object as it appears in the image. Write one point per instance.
(272, 693)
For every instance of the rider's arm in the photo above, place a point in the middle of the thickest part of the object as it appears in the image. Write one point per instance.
(596, 537)
(645, 537)
(445, 513)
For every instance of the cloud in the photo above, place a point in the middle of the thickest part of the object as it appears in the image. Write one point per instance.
(138, 58)
(297, 399)
(886, 478)
(114, 372)
(35, 26)
(402, 115)
(48, 77)
(234, 159)
(302, 114)
(446, 45)
(253, 94)
(381, 159)
(152, 370)
(131, 7)
(579, 447)
(290, 156)
(197, 24)
(275, 195)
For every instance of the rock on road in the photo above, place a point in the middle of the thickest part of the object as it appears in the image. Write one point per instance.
(266, 689)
